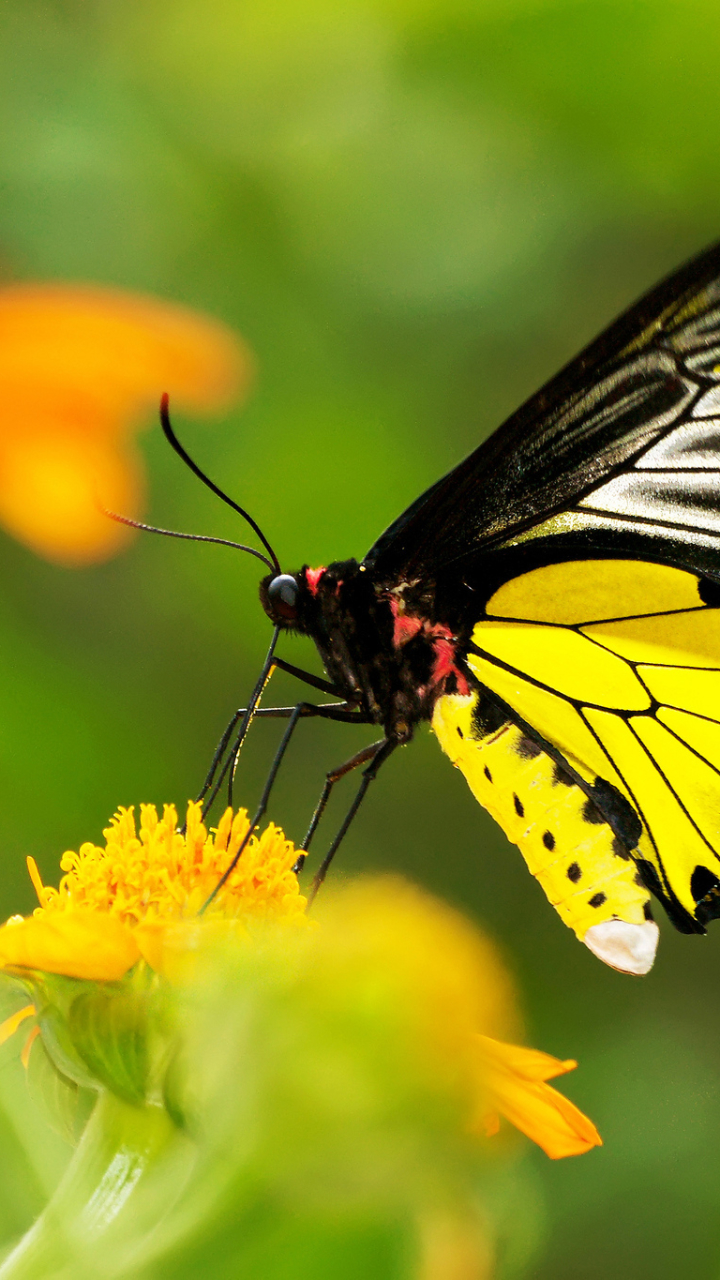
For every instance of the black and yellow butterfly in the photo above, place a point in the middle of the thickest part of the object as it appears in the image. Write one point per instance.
(552, 607)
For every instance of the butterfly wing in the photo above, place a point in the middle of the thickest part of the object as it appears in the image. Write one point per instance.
(592, 735)
(620, 446)
(550, 810)
(581, 543)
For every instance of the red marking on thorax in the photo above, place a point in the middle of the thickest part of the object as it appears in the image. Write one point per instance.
(444, 666)
(404, 627)
(312, 577)
(444, 660)
(443, 642)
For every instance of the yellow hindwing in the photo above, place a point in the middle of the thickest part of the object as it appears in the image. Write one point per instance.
(567, 847)
(615, 663)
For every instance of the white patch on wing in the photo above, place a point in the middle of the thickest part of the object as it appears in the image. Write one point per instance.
(695, 445)
(708, 405)
(630, 948)
(660, 496)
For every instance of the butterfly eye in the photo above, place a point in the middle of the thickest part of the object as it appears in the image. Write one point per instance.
(282, 594)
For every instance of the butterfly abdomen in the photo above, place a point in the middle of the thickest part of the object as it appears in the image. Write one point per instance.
(585, 870)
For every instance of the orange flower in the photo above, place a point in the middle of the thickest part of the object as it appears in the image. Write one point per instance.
(79, 367)
(516, 1089)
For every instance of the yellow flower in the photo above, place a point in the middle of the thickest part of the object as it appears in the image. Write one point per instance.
(127, 899)
(79, 367)
(383, 950)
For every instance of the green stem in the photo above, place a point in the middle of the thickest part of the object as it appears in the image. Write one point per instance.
(129, 1167)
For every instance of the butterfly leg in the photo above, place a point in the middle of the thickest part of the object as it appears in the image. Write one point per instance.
(295, 715)
(218, 754)
(341, 711)
(377, 753)
(247, 714)
(361, 757)
(316, 682)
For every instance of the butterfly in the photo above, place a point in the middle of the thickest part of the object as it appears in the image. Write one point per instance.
(552, 608)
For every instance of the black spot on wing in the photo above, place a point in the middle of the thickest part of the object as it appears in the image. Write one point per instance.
(683, 921)
(561, 777)
(617, 811)
(549, 840)
(703, 882)
(705, 889)
(527, 749)
(487, 716)
(488, 774)
(597, 900)
(709, 591)
(619, 849)
(573, 872)
(519, 806)
(591, 813)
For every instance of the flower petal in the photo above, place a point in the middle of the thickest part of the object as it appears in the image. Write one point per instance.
(515, 1087)
(121, 349)
(11, 1024)
(25, 1055)
(544, 1115)
(53, 485)
(78, 944)
(78, 367)
(530, 1064)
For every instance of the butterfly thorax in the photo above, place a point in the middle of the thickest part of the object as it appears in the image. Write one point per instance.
(382, 646)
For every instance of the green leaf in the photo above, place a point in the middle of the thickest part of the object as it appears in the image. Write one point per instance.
(110, 1032)
(65, 1105)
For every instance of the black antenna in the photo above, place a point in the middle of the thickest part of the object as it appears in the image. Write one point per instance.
(181, 452)
(192, 537)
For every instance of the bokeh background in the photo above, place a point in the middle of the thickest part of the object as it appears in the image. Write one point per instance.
(413, 211)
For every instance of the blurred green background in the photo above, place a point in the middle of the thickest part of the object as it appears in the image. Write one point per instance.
(414, 211)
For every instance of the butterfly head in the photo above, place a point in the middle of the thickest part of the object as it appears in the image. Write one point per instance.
(280, 595)
(387, 658)
(312, 600)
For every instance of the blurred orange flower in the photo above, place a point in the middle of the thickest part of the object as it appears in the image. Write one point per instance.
(517, 1088)
(80, 366)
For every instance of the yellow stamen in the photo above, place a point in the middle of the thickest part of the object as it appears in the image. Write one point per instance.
(36, 878)
(115, 903)
(11, 1024)
(149, 872)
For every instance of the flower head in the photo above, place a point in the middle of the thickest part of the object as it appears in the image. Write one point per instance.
(79, 367)
(140, 893)
(429, 989)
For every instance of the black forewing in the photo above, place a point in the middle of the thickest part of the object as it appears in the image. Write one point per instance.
(634, 384)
